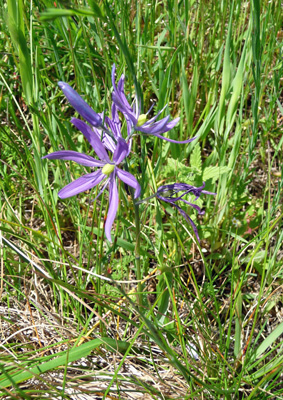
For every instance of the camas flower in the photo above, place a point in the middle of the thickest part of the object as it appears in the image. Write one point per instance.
(107, 171)
(170, 194)
(139, 121)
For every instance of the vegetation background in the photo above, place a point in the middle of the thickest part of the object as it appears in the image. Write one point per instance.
(211, 320)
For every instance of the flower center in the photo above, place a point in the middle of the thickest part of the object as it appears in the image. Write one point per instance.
(142, 119)
(108, 168)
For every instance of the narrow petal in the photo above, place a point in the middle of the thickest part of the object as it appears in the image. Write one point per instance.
(114, 124)
(206, 192)
(172, 123)
(130, 180)
(185, 215)
(122, 104)
(106, 140)
(119, 98)
(115, 121)
(113, 76)
(113, 206)
(195, 206)
(80, 105)
(92, 139)
(115, 116)
(81, 184)
(153, 119)
(157, 127)
(79, 158)
(121, 151)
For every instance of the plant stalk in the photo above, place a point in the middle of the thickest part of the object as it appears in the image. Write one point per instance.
(137, 253)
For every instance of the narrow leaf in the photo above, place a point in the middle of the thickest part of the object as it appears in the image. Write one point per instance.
(214, 172)
(69, 356)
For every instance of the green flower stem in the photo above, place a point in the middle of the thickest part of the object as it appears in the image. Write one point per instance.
(138, 244)
(137, 252)
(99, 253)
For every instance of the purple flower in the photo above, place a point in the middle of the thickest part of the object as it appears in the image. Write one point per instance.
(114, 126)
(169, 194)
(139, 121)
(80, 105)
(107, 171)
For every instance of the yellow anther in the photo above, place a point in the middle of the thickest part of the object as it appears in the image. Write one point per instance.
(108, 168)
(142, 120)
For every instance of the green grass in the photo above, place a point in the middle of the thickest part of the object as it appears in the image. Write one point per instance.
(74, 319)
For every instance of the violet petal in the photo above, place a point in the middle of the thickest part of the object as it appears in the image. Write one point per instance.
(81, 184)
(80, 105)
(113, 206)
(92, 139)
(121, 151)
(79, 158)
(130, 180)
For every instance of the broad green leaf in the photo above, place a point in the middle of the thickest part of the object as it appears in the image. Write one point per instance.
(98, 10)
(195, 159)
(177, 170)
(214, 172)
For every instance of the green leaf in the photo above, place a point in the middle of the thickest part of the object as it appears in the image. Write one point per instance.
(237, 86)
(268, 341)
(17, 31)
(226, 74)
(190, 95)
(163, 302)
(53, 13)
(129, 246)
(195, 159)
(64, 359)
(97, 10)
(186, 92)
(266, 369)
(214, 173)
(176, 170)
(68, 356)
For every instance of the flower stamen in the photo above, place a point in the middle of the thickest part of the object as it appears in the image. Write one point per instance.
(108, 169)
(142, 120)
